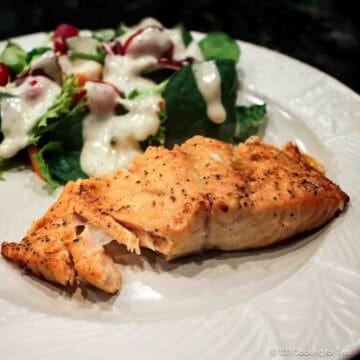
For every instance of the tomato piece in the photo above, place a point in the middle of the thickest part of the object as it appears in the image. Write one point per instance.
(83, 77)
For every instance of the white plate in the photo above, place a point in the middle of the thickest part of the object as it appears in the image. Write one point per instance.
(292, 299)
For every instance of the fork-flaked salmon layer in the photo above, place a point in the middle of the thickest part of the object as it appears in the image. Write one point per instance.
(54, 249)
(200, 195)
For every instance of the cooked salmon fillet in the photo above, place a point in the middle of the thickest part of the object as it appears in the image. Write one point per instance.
(200, 195)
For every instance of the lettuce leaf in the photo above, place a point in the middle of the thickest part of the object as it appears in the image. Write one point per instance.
(155, 90)
(99, 57)
(104, 35)
(160, 137)
(61, 107)
(249, 119)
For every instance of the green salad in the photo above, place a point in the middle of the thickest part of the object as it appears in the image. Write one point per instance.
(87, 102)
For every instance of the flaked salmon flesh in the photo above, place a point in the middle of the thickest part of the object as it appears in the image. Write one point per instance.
(201, 195)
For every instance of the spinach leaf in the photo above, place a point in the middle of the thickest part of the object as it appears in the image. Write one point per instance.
(44, 168)
(65, 166)
(186, 109)
(68, 132)
(248, 121)
(14, 57)
(59, 165)
(218, 45)
(35, 53)
(185, 34)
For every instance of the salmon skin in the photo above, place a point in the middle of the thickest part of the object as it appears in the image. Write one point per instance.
(201, 195)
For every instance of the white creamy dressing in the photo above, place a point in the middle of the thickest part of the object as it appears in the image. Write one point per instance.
(151, 41)
(180, 51)
(143, 52)
(91, 69)
(101, 98)
(111, 141)
(124, 72)
(193, 50)
(146, 22)
(208, 81)
(20, 114)
(49, 64)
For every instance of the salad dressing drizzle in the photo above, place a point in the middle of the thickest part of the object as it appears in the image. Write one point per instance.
(124, 72)
(48, 63)
(112, 141)
(174, 35)
(208, 81)
(19, 114)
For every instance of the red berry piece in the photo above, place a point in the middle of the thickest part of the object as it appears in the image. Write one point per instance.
(5, 74)
(63, 32)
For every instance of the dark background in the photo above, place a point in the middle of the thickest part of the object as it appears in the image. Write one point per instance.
(323, 33)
